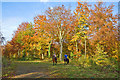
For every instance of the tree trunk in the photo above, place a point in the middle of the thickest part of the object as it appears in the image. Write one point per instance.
(60, 46)
(49, 50)
(76, 47)
(42, 56)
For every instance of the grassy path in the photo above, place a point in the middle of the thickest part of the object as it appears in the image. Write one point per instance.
(45, 69)
(38, 69)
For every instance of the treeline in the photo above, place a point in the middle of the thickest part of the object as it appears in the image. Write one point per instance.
(85, 32)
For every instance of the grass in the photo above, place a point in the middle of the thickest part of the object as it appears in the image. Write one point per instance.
(47, 70)
(7, 68)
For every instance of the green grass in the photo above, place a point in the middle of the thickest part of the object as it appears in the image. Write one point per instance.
(7, 68)
(47, 70)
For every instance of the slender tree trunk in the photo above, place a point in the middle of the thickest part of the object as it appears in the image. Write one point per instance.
(76, 47)
(42, 56)
(60, 46)
(49, 50)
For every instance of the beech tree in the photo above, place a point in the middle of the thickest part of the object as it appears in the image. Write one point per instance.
(81, 25)
(103, 29)
(42, 29)
(60, 17)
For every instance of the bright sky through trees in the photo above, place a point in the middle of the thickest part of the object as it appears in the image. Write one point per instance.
(14, 13)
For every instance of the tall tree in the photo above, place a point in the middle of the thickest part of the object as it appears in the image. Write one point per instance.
(103, 28)
(42, 29)
(22, 36)
(81, 14)
(60, 18)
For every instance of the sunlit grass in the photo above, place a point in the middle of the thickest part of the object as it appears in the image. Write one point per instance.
(46, 69)
(25, 75)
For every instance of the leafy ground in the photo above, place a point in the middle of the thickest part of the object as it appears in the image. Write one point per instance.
(45, 69)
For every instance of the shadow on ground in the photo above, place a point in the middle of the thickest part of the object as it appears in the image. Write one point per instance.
(36, 69)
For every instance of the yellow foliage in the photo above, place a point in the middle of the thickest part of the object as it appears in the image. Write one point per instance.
(69, 48)
(84, 61)
(100, 58)
(116, 57)
(75, 38)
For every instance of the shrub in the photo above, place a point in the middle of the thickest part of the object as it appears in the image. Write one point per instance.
(84, 61)
(101, 57)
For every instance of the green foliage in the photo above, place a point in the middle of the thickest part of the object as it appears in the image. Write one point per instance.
(101, 57)
(84, 61)
(71, 55)
(114, 63)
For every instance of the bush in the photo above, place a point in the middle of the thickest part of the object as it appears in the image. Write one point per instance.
(84, 61)
(114, 63)
(101, 58)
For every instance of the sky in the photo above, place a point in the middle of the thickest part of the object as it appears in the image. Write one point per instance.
(13, 13)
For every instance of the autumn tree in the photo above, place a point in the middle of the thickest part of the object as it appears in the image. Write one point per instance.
(103, 27)
(81, 26)
(19, 37)
(42, 29)
(60, 17)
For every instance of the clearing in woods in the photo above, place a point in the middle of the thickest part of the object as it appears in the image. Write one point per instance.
(45, 69)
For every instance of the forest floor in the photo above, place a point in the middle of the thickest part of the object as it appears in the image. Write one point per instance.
(45, 69)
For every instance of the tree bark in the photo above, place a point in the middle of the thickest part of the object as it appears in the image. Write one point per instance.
(76, 47)
(49, 50)
(42, 56)
(60, 46)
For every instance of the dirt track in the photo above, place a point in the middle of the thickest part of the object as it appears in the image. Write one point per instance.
(34, 70)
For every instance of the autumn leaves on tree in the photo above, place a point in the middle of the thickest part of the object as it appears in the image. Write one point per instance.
(84, 31)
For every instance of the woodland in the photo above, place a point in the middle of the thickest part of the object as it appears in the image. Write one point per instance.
(89, 36)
